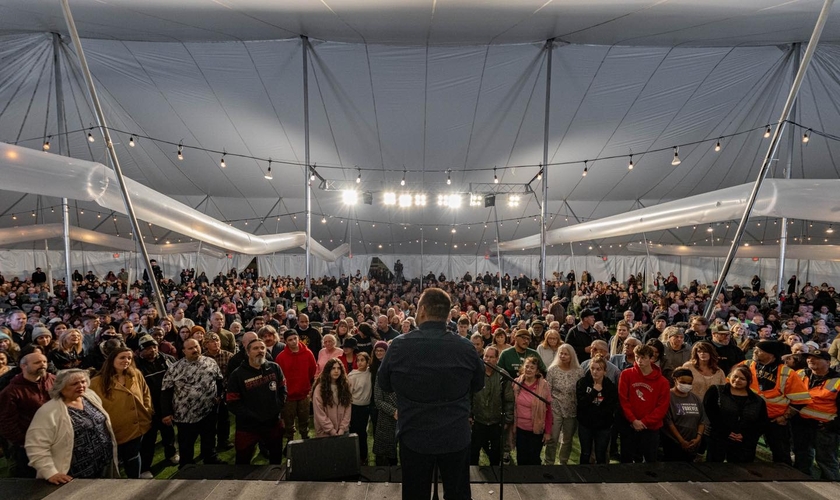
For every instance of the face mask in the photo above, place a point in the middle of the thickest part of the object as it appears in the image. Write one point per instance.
(684, 388)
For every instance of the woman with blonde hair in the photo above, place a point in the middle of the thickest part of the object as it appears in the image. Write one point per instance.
(548, 347)
(562, 376)
(126, 398)
(332, 400)
(68, 350)
(704, 367)
(328, 352)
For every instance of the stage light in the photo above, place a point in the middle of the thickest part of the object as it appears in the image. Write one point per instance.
(350, 197)
(405, 200)
(389, 198)
(476, 200)
(676, 161)
(453, 200)
(441, 200)
(513, 200)
(420, 200)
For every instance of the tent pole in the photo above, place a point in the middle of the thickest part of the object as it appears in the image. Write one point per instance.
(498, 250)
(63, 148)
(780, 280)
(305, 45)
(549, 48)
(103, 126)
(771, 151)
(422, 276)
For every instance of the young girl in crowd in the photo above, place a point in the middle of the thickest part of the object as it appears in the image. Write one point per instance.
(361, 389)
(331, 400)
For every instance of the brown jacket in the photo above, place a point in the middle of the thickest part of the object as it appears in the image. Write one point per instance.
(130, 407)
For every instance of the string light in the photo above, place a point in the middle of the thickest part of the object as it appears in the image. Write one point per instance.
(47, 143)
(495, 177)
(676, 161)
(767, 132)
(806, 136)
(312, 174)
(717, 146)
(222, 161)
(585, 168)
(630, 165)
(90, 136)
(402, 182)
(448, 177)
(830, 229)
(131, 141)
(359, 178)
(268, 172)
(180, 151)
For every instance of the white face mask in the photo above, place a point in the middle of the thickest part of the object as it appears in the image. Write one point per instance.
(684, 388)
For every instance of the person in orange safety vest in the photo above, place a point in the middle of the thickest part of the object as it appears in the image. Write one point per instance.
(816, 430)
(782, 390)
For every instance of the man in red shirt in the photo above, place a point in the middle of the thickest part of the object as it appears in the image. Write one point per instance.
(298, 365)
(645, 397)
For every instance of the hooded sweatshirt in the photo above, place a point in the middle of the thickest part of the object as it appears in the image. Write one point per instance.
(18, 404)
(644, 397)
(299, 369)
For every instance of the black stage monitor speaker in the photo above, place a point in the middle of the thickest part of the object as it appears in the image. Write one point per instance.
(324, 459)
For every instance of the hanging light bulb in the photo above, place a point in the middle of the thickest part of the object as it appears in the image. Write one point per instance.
(180, 151)
(268, 172)
(806, 136)
(14, 217)
(717, 146)
(448, 177)
(676, 161)
(222, 161)
(90, 137)
(630, 165)
(585, 169)
(47, 144)
(131, 141)
(359, 177)
(767, 132)
(830, 229)
(402, 182)
(495, 177)
(539, 175)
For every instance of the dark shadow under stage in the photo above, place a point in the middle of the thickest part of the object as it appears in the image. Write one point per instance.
(627, 482)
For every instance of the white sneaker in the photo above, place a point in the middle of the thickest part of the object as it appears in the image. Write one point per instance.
(146, 475)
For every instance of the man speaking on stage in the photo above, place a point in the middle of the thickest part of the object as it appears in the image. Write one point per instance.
(433, 374)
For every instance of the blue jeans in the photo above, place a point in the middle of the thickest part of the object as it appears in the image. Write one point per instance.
(129, 455)
(601, 439)
(809, 443)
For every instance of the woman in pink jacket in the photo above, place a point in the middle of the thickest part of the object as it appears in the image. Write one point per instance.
(331, 400)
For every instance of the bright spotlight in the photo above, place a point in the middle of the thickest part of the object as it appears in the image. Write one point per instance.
(420, 200)
(389, 198)
(350, 197)
(454, 200)
(476, 200)
(405, 200)
(513, 200)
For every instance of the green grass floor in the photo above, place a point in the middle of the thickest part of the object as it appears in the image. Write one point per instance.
(162, 470)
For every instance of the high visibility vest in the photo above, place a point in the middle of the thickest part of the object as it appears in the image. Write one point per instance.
(823, 405)
(788, 389)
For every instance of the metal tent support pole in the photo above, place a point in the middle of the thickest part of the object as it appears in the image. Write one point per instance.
(305, 46)
(549, 48)
(780, 279)
(103, 126)
(498, 250)
(422, 276)
(63, 148)
(771, 151)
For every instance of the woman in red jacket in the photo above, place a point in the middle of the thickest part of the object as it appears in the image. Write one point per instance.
(645, 397)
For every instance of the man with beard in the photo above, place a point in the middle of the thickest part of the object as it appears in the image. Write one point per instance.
(256, 394)
(191, 391)
(153, 365)
(308, 336)
(26, 393)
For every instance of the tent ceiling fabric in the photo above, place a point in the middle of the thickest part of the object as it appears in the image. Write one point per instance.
(460, 90)
(431, 22)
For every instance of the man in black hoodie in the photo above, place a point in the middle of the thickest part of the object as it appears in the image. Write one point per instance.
(256, 393)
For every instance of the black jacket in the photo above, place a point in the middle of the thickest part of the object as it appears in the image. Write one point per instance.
(256, 395)
(596, 409)
(153, 372)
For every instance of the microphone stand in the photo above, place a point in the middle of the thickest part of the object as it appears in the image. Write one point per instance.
(506, 377)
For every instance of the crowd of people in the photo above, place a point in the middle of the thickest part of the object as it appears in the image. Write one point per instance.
(631, 369)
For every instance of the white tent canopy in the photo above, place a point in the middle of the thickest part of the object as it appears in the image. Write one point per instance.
(425, 90)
